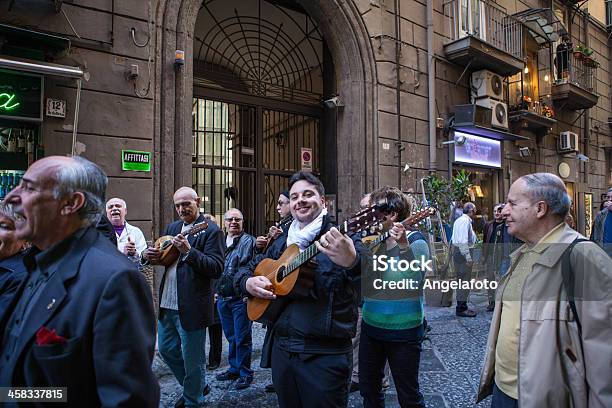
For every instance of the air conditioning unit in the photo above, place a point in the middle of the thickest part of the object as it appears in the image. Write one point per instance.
(499, 112)
(487, 84)
(568, 142)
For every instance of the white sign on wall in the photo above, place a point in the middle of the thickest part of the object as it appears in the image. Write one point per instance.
(306, 157)
(56, 108)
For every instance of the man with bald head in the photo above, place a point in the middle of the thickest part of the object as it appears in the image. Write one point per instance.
(186, 296)
(549, 341)
(130, 239)
(83, 319)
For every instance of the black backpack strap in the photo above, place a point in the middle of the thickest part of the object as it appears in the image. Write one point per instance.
(569, 279)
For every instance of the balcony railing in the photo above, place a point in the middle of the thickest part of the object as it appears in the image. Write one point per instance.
(486, 21)
(570, 69)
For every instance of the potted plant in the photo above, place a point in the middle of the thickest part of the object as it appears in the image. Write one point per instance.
(579, 52)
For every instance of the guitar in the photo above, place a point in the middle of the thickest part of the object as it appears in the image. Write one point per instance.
(282, 224)
(374, 240)
(290, 274)
(169, 253)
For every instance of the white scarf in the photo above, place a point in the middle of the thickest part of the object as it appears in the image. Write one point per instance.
(304, 236)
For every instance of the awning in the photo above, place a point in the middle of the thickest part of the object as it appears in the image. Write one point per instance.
(542, 24)
(490, 133)
(19, 41)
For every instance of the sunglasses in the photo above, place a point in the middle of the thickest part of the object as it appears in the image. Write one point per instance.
(235, 219)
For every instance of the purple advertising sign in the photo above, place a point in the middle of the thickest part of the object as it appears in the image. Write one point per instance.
(477, 150)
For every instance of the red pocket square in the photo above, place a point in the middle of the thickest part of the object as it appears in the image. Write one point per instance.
(45, 337)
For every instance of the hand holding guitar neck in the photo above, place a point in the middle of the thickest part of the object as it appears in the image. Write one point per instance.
(338, 247)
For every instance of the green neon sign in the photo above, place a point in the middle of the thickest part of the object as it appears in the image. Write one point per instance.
(6, 101)
(21, 96)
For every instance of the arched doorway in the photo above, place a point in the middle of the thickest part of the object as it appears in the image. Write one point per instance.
(355, 125)
(258, 74)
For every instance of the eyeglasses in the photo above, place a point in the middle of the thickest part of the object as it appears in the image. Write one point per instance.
(235, 219)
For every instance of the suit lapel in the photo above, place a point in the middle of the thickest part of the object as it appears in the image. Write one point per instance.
(53, 291)
(192, 238)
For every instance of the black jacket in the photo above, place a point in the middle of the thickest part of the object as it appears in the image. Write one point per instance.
(12, 273)
(325, 321)
(238, 254)
(203, 263)
(101, 304)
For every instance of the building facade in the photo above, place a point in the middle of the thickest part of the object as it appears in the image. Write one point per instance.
(233, 96)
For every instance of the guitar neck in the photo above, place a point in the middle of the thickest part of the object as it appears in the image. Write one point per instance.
(308, 254)
(383, 237)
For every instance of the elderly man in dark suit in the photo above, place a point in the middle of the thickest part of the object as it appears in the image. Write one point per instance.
(186, 297)
(83, 319)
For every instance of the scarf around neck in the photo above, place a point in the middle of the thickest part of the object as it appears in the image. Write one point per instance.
(303, 237)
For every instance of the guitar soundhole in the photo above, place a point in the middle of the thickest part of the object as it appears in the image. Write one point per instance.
(280, 274)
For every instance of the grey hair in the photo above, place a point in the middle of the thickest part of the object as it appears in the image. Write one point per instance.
(234, 209)
(85, 177)
(548, 188)
(6, 209)
(467, 207)
(117, 198)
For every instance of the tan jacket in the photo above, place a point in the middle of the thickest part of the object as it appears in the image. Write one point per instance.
(556, 369)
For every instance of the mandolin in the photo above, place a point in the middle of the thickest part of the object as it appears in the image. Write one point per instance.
(292, 276)
(374, 240)
(282, 224)
(169, 253)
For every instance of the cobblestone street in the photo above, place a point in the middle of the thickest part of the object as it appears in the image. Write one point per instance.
(450, 366)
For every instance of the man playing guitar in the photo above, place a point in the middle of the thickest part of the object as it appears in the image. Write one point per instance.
(284, 210)
(309, 345)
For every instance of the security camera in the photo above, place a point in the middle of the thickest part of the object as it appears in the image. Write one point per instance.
(460, 139)
(334, 102)
(582, 157)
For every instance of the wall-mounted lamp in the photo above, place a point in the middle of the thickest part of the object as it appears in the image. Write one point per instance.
(179, 58)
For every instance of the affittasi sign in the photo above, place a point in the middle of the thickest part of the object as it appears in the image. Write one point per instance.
(21, 96)
(135, 160)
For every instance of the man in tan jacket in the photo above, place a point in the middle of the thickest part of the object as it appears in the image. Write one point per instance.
(539, 353)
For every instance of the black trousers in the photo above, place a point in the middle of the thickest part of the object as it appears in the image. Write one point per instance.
(311, 380)
(215, 334)
(403, 357)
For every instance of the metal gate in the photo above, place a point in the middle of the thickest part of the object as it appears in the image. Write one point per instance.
(243, 156)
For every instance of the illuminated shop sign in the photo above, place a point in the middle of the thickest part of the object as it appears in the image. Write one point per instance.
(481, 151)
(20, 96)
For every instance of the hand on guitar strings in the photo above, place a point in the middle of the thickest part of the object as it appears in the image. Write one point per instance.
(397, 236)
(275, 232)
(338, 247)
(259, 286)
(261, 242)
(152, 254)
(181, 243)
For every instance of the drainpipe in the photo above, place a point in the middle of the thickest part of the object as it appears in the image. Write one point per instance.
(431, 89)
(587, 115)
(398, 84)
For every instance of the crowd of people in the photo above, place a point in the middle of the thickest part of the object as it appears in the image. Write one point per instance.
(77, 312)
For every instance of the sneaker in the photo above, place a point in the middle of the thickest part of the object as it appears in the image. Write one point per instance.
(466, 313)
(243, 382)
(180, 403)
(270, 388)
(227, 376)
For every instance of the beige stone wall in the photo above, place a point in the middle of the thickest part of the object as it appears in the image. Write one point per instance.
(409, 143)
(112, 117)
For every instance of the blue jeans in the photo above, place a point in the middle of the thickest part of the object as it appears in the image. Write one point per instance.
(237, 329)
(502, 400)
(183, 351)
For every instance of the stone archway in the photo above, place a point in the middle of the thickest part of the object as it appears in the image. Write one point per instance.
(353, 58)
